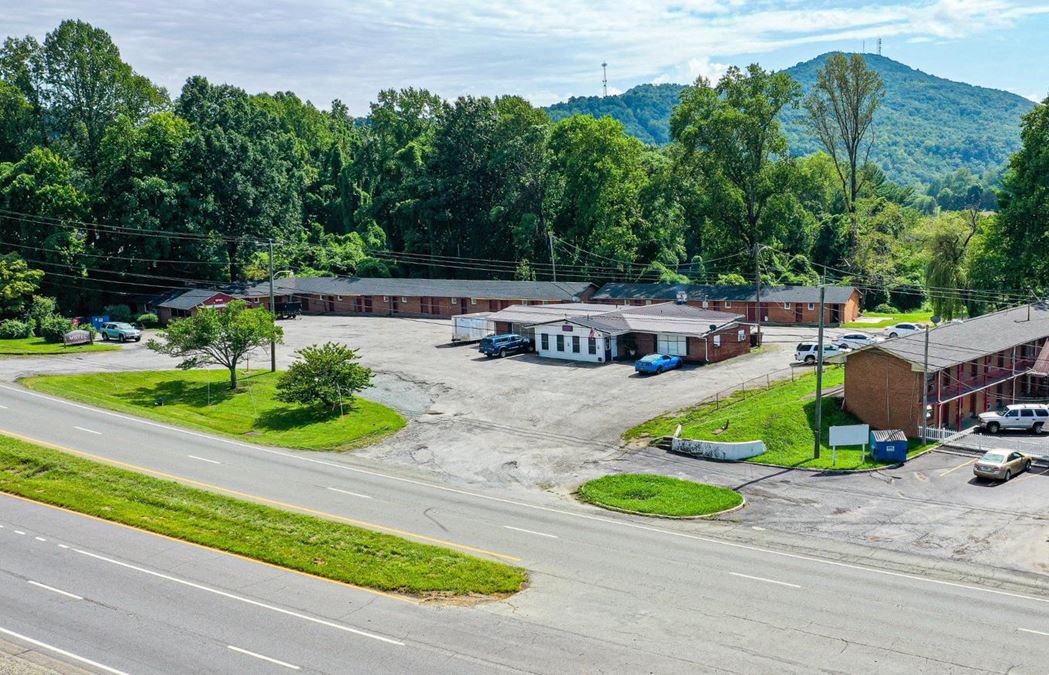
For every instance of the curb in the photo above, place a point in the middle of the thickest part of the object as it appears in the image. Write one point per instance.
(832, 472)
(705, 516)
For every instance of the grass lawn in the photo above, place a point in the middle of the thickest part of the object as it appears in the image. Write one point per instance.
(783, 417)
(314, 545)
(36, 346)
(890, 319)
(658, 495)
(252, 413)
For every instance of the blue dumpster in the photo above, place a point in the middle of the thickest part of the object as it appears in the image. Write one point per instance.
(889, 445)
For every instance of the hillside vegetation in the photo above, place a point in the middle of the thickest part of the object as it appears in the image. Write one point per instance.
(926, 127)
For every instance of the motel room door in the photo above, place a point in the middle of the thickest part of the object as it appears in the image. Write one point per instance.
(798, 316)
(463, 303)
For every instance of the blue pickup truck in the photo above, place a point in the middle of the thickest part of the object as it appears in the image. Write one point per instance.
(507, 343)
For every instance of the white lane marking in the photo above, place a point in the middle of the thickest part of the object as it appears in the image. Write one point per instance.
(238, 598)
(53, 589)
(90, 431)
(526, 505)
(770, 581)
(264, 658)
(3, 407)
(63, 652)
(39, 538)
(1036, 632)
(540, 534)
(20, 532)
(203, 459)
(347, 492)
(62, 546)
(757, 527)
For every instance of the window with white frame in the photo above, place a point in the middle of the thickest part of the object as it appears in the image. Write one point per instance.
(473, 301)
(706, 304)
(675, 345)
(786, 305)
(728, 304)
(741, 335)
(717, 340)
(812, 306)
(404, 298)
(385, 298)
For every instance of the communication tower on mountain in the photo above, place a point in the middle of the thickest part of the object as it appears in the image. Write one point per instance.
(604, 78)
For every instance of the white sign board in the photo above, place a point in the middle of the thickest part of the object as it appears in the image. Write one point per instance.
(850, 434)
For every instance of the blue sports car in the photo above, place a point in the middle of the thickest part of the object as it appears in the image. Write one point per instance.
(657, 363)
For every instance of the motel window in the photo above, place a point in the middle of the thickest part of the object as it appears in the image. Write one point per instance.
(705, 304)
(560, 343)
(591, 345)
(786, 305)
(812, 306)
(385, 298)
(575, 344)
(675, 345)
(544, 341)
(741, 335)
(717, 340)
(404, 298)
(473, 301)
(728, 305)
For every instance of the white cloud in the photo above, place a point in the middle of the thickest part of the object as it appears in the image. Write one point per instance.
(349, 49)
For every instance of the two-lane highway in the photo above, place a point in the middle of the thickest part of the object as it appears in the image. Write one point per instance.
(680, 595)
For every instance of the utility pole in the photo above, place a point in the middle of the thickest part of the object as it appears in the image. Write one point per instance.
(819, 379)
(925, 388)
(553, 258)
(757, 288)
(273, 316)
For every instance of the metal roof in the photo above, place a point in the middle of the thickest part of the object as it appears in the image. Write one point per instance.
(835, 295)
(189, 299)
(955, 343)
(440, 288)
(666, 318)
(533, 314)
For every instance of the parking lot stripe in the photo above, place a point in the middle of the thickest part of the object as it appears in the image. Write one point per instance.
(1036, 632)
(957, 467)
(768, 581)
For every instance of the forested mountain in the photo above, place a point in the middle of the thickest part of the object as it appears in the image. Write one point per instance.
(926, 127)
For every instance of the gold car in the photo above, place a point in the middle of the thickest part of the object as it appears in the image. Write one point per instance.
(1001, 464)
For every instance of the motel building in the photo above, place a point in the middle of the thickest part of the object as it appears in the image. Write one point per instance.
(700, 336)
(975, 366)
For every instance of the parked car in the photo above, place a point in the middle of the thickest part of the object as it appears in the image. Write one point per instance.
(1025, 416)
(899, 329)
(118, 330)
(657, 363)
(1001, 465)
(857, 340)
(507, 343)
(806, 352)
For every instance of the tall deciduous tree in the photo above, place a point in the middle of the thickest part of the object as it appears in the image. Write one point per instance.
(731, 129)
(221, 337)
(17, 284)
(841, 109)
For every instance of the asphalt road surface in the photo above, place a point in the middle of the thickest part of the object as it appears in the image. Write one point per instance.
(608, 593)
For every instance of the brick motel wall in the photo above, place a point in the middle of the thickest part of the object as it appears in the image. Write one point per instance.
(883, 391)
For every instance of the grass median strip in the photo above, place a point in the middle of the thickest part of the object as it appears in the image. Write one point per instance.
(782, 416)
(658, 495)
(202, 399)
(324, 548)
(37, 346)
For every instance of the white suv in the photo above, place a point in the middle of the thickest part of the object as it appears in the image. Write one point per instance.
(1028, 416)
(857, 340)
(806, 352)
(902, 329)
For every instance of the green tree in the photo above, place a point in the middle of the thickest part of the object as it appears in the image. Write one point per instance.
(732, 129)
(841, 109)
(946, 273)
(1022, 228)
(18, 132)
(17, 284)
(84, 85)
(218, 337)
(327, 374)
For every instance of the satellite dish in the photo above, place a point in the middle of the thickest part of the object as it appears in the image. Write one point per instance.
(713, 327)
(936, 320)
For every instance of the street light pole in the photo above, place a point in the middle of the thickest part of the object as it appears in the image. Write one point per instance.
(925, 389)
(273, 315)
(819, 379)
(553, 257)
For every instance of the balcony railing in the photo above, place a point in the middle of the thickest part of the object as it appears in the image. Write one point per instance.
(968, 384)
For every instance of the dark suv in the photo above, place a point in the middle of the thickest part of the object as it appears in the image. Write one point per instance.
(501, 345)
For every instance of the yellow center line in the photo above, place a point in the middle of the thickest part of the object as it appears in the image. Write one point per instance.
(266, 500)
(958, 467)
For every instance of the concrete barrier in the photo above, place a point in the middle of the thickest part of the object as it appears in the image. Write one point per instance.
(717, 450)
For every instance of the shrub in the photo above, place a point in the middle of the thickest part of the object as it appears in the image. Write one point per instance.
(118, 313)
(54, 328)
(13, 329)
(885, 308)
(325, 374)
(148, 320)
(41, 308)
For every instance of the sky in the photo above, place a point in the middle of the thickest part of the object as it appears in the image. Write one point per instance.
(545, 50)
